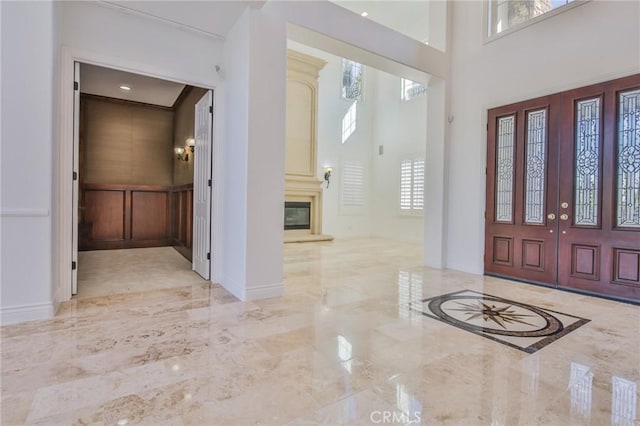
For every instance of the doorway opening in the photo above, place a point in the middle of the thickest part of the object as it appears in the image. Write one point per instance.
(356, 149)
(142, 173)
(354, 169)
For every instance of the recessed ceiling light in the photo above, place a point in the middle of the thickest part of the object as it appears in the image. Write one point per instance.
(125, 88)
(365, 14)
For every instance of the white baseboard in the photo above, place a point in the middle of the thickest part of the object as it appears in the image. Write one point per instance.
(22, 313)
(264, 292)
(231, 287)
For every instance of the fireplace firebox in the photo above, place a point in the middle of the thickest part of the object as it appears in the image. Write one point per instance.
(297, 215)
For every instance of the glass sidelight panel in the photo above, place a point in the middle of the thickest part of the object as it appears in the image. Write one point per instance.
(628, 164)
(504, 169)
(535, 172)
(587, 163)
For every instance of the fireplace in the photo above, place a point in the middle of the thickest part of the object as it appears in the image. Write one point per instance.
(297, 215)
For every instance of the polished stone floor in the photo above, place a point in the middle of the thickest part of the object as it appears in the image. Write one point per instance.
(104, 272)
(343, 346)
(511, 322)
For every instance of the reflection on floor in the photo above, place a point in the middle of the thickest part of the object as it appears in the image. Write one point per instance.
(104, 272)
(343, 346)
(516, 324)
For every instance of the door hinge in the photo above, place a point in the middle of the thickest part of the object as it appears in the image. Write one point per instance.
(75, 175)
(487, 127)
(209, 256)
(73, 265)
(209, 183)
(211, 109)
(76, 86)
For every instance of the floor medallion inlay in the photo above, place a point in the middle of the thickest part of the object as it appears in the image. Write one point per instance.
(519, 325)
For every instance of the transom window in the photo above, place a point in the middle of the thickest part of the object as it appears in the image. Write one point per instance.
(351, 80)
(411, 89)
(505, 14)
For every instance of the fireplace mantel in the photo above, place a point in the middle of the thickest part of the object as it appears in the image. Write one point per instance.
(301, 181)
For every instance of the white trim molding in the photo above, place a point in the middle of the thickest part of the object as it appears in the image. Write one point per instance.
(126, 9)
(22, 313)
(263, 292)
(24, 213)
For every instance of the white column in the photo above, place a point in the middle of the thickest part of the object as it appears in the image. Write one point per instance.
(253, 152)
(28, 64)
(435, 178)
(266, 155)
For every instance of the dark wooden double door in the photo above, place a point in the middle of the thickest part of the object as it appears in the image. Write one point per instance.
(563, 190)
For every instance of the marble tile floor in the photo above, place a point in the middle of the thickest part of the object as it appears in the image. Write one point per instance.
(105, 272)
(511, 322)
(341, 347)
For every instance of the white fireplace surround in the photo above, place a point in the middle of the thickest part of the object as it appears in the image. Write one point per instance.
(301, 181)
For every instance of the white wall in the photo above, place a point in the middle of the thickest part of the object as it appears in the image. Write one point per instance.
(401, 128)
(139, 43)
(339, 221)
(593, 42)
(27, 139)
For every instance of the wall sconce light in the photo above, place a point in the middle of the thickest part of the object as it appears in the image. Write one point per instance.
(181, 154)
(327, 174)
(191, 144)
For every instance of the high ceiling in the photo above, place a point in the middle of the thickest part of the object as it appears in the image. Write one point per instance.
(216, 18)
(410, 18)
(101, 81)
(213, 17)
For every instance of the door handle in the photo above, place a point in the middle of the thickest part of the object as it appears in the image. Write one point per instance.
(551, 216)
(564, 216)
(564, 205)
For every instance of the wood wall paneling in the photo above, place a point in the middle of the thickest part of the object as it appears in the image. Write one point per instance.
(104, 211)
(125, 216)
(149, 215)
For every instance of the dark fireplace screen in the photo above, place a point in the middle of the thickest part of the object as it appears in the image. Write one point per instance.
(297, 215)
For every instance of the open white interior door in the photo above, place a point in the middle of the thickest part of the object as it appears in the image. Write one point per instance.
(202, 186)
(74, 210)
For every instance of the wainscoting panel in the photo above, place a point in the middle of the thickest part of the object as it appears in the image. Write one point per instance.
(105, 210)
(149, 215)
(124, 216)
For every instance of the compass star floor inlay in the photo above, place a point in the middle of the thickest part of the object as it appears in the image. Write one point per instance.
(519, 325)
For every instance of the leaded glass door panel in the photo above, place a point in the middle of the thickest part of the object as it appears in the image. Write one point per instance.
(563, 190)
(522, 189)
(599, 226)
